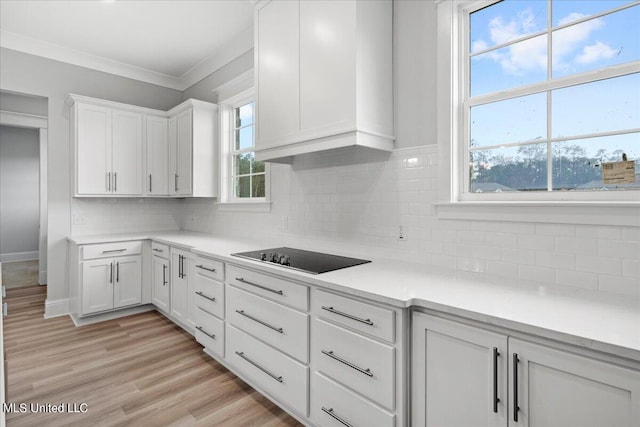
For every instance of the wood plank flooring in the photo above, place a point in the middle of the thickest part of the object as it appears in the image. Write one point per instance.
(18, 274)
(141, 370)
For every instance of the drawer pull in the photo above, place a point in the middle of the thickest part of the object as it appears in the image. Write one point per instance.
(329, 353)
(335, 417)
(275, 377)
(348, 316)
(213, 270)
(158, 250)
(205, 296)
(496, 399)
(241, 312)
(113, 250)
(201, 329)
(240, 279)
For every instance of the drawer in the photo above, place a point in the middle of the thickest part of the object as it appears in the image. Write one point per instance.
(270, 287)
(210, 332)
(370, 319)
(160, 250)
(209, 295)
(334, 406)
(269, 370)
(106, 250)
(210, 268)
(277, 325)
(360, 363)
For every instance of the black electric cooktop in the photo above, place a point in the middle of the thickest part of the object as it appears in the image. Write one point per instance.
(297, 259)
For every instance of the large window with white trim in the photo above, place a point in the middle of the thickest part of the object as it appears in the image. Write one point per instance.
(550, 94)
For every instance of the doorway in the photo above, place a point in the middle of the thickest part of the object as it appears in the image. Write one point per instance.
(23, 190)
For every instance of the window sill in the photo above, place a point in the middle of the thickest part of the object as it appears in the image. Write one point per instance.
(244, 206)
(593, 213)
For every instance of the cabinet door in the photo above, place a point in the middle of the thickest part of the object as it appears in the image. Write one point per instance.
(179, 289)
(172, 137)
(278, 103)
(157, 156)
(93, 150)
(327, 66)
(456, 378)
(127, 288)
(161, 285)
(557, 388)
(127, 153)
(184, 140)
(97, 285)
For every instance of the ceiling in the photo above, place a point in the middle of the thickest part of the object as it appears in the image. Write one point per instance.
(173, 43)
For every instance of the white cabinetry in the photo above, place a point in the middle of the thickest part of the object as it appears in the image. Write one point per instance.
(192, 150)
(161, 275)
(209, 304)
(108, 151)
(454, 364)
(323, 76)
(157, 176)
(182, 288)
(107, 281)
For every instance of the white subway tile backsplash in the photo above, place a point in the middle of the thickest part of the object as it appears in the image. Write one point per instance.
(576, 245)
(536, 273)
(503, 240)
(502, 269)
(518, 228)
(526, 241)
(599, 232)
(620, 285)
(598, 264)
(556, 260)
(631, 268)
(518, 256)
(578, 279)
(619, 249)
(556, 229)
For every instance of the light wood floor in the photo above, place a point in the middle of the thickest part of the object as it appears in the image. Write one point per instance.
(141, 370)
(18, 274)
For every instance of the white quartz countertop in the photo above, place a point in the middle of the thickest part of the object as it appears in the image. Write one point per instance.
(603, 322)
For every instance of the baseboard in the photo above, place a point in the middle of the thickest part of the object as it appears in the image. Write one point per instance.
(56, 307)
(89, 320)
(42, 278)
(20, 256)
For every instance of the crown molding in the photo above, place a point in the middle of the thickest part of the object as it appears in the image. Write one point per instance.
(241, 44)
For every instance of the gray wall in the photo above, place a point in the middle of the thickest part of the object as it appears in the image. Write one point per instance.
(29, 74)
(19, 190)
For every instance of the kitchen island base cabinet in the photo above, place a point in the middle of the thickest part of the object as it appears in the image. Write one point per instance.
(501, 380)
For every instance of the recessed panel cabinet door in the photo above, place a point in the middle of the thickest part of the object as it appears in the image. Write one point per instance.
(557, 388)
(97, 285)
(127, 153)
(278, 72)
(93, 150)
(184, 141)
(179, 288)
(127, 288)
(458, 377)
(157, 176)
(161, 284)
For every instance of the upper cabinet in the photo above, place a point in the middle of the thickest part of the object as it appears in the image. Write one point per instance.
(122, 150)
(323, 76)
(108, 151)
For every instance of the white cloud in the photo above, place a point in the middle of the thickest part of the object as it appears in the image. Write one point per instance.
(595, 52)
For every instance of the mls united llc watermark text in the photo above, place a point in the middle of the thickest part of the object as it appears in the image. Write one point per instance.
(35, 408)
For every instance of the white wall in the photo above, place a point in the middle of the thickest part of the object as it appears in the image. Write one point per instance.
(25, 104)
(19, 193)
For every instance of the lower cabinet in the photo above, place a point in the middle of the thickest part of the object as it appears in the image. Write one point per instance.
(161, 287)
(182, 287)
(468, 376)
(110, 283)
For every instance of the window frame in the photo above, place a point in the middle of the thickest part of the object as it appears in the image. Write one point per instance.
(228, 200)
(587, 207)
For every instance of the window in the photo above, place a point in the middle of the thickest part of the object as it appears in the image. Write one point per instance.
(549, 92)
(244, 180)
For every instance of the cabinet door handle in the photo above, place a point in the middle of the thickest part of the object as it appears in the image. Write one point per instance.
(150, 183)
(242, 313)
(495, 379)
(117, 272)
(213, 270)
(113, 250)
(201, 329)
(111, 273)
(335, 417)
(516, 408)
(367, 371)
(240, 279)
(206, 296)
(348, 316)
(272, 375)
(157, 250)
(115, 182)
(164, 274)
(109, 181)
(176, 182)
